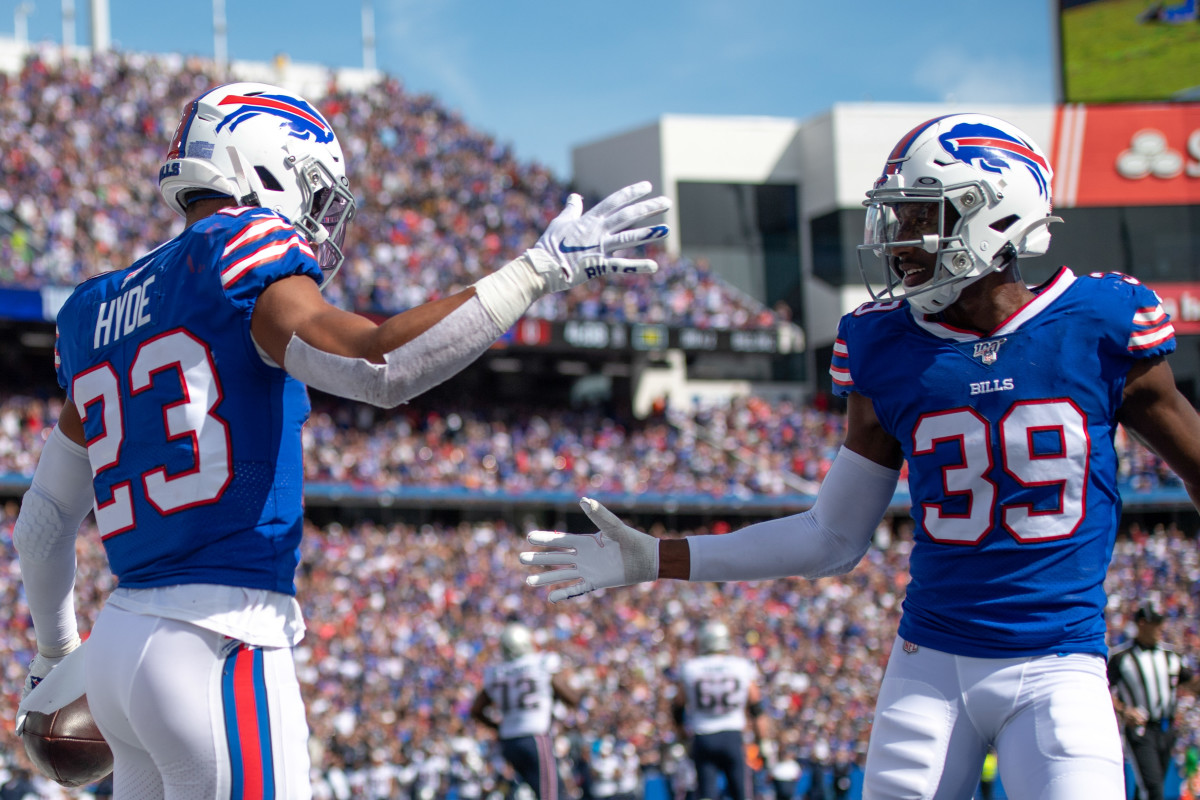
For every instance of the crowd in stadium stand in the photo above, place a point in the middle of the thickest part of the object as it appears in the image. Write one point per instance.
(402, 619)
(440, 204)
(747, 448)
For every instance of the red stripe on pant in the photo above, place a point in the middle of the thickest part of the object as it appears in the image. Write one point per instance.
(246, 705)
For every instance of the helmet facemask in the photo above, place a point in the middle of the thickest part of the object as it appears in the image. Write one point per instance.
(326, 213)
(930, 219)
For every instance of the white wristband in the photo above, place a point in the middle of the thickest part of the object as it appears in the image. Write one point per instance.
(508, 292)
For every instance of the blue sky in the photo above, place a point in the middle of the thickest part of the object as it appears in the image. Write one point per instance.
(545, 76)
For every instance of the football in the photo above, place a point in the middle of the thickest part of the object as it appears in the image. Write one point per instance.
(66, 745)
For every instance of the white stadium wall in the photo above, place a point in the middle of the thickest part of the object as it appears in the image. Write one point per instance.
(836, 156)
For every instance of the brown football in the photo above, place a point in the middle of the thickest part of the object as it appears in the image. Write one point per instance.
(66, 745)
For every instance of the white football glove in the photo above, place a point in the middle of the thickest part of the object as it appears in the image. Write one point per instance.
(41, 665)
(616, 555)
(577, 246)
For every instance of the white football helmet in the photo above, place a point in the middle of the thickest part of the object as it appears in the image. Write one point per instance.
(515, 641)
(997, 183)
(714, 638)
(263, 146)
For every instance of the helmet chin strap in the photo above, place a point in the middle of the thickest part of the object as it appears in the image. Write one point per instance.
(319, 235)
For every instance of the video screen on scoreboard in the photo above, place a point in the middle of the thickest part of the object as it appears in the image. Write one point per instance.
(1121, 51)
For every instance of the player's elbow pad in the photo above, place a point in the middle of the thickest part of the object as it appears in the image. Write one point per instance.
(408, 371)
(828, 539)
(58, 499)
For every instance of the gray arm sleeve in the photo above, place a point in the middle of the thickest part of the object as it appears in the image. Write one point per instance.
(44, 534)
(415, 367)
(828, 539)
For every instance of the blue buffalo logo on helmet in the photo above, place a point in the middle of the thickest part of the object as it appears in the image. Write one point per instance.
(304, 121)
(993, 150)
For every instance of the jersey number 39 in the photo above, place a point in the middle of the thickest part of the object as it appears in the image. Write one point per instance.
(1041, 444)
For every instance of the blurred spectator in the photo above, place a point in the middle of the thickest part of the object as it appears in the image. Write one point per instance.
(442, 204)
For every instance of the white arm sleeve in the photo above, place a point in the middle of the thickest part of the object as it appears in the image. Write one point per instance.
(828, 539)
(415, 367)
(44, 534)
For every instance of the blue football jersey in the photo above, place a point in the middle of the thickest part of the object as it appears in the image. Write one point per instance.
(194, 441)
(1011, 465)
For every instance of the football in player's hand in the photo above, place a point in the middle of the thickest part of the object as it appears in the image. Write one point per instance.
(66, 745)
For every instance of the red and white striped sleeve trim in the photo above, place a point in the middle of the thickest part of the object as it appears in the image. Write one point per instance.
(1151, 328)
(264, 255)
(839, 369)
(254, 232)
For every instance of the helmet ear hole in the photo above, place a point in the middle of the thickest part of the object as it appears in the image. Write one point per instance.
(1001, 225)
(268, 180)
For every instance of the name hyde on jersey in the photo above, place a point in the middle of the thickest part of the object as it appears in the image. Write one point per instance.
(123, 315)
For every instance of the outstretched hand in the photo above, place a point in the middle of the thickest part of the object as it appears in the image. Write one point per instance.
(616, 555)
(577, 246)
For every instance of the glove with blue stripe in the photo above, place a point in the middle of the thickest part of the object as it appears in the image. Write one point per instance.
(577, 246)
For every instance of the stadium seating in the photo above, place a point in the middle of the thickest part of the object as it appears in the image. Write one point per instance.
(441, 204)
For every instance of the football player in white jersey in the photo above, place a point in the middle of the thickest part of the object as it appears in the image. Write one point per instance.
(522, 689)
(185, 375)
(718, 694)
(1003, 399)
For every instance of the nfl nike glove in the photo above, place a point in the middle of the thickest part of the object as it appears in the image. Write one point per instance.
(41, 665)
(577, 246)
(616, 555)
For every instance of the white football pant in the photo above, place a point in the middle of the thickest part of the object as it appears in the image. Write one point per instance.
(1050, 719)
(193, 715)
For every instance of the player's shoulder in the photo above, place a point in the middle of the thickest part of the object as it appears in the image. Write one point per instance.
(237, 230)
(236, 218)
(738, 662)
(875, 320)
(878, 312)
(104, 284)
(250, 248)
(1114, 288)
(1125, 310)
(95, 284)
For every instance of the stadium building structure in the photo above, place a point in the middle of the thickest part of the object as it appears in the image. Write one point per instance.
(775, 204)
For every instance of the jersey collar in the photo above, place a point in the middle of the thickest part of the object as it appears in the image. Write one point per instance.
(1044, 296)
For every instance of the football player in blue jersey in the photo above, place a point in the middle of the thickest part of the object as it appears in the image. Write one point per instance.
(1003, 399)
(185, 375)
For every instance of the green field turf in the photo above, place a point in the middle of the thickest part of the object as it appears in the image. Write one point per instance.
(1109, 56)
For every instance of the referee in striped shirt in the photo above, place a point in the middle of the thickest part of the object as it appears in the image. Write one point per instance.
(1144, 675)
